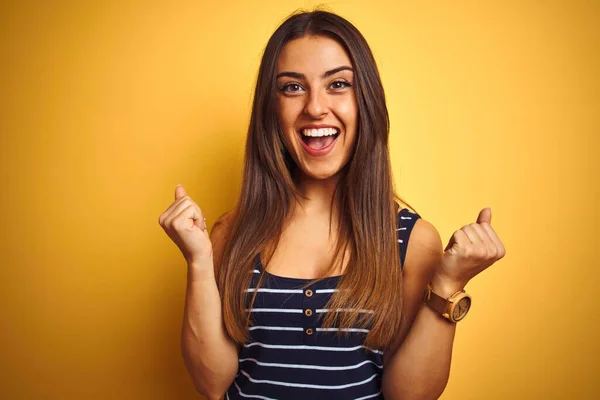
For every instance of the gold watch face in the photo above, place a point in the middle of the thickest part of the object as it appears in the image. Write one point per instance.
(461, 308)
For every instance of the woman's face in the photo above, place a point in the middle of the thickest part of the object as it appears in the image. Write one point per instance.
(316, 104)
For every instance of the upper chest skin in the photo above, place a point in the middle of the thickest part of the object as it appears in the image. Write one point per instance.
(305, 249)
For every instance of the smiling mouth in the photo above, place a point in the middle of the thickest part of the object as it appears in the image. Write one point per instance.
(319, 142)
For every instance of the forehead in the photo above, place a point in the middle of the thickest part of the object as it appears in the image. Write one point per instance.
(312, 54)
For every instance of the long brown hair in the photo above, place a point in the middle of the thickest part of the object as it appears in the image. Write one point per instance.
(367, 201)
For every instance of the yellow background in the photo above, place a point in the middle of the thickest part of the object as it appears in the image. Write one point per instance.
(106, 106)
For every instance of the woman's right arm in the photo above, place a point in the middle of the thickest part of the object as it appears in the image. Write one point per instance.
(210, 356)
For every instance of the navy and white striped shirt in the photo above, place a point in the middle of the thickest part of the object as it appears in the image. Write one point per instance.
(291, 357)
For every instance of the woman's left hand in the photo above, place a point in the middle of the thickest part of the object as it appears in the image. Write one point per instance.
(470, 250)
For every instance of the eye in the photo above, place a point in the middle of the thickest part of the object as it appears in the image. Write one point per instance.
(291, 88)
(340, 84)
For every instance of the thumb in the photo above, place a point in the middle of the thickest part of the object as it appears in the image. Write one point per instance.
(179, 191)
(485, 215)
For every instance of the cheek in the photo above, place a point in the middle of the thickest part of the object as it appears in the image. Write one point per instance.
(347, 111)
(279, 111)
(286, 113)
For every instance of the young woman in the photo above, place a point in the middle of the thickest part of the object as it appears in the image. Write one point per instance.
(310, 288)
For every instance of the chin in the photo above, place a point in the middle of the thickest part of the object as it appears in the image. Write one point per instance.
(321, 176)
(321, 173)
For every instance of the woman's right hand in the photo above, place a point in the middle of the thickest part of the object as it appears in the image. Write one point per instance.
(184, 222)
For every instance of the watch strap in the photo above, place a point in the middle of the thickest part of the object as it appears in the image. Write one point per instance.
(435, 301)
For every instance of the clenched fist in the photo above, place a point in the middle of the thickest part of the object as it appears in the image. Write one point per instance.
(470, 250)
(185, 224)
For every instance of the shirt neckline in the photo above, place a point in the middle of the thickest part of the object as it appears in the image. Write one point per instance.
(261, 268)
(303, 280)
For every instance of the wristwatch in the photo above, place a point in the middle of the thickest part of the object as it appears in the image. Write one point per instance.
(454, 308)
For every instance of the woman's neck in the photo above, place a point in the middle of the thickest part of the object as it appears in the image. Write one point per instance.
(317, 195)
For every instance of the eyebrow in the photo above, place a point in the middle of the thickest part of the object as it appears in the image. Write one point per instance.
(298, 75)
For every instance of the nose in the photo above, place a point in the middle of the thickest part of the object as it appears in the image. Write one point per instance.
(316, 104)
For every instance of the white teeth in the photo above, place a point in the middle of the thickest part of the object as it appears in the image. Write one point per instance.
(319, 132)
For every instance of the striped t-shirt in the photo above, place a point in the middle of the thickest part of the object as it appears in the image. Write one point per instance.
(289, 356)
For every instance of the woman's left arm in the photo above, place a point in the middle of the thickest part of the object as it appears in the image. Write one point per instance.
(417, 362)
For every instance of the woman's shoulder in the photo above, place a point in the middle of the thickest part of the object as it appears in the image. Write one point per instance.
(406, 217)
(219, 235)
(224, 220)
(421, 240)
(424, 247)
(424, 231)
